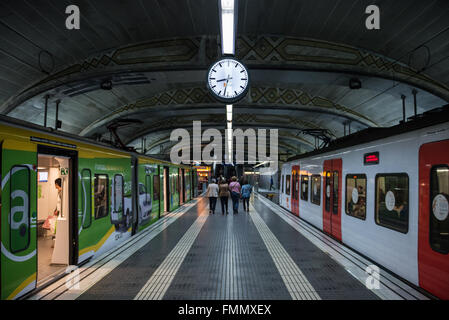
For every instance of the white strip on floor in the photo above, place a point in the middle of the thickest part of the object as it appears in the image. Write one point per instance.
(160, 281)
(66, 289)
(296, 282)
(337, 252)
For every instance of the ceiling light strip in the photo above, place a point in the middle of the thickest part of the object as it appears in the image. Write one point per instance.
(228, 26)
(229, 111)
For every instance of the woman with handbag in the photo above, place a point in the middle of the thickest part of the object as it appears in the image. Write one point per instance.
(224, 195)
(212, 194)
(235, 189)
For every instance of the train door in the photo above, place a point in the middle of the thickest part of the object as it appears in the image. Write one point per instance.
(295, 190)
(166, 190)
(57, 215)
(181, 187)
(135, 192)
(162, 192)
(433, 230)
(332, 197)
(157, 190)
(18, 218)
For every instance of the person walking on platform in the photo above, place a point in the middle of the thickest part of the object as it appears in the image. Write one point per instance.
(212, 194)
(246, 194)
(224, 195)
(235, 189)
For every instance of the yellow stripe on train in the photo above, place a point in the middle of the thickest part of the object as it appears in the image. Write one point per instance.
(22, 286)
(97, 246)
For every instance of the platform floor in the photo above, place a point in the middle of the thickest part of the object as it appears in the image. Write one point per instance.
(264, 254)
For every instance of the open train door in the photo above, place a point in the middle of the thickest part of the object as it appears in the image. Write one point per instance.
(433, 243)
(58, 179)
(18, 264)
(295, 190)
(134, 193)
(166, 188)
(332, 197)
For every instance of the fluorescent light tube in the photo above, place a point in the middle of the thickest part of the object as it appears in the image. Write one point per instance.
(227, 27)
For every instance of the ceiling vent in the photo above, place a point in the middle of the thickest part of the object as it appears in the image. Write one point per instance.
(355, 84)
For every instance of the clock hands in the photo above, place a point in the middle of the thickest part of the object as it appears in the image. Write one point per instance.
(221, 80)
(226, 85)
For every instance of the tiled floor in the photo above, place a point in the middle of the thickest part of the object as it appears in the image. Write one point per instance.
(45, 251)
(253, 256)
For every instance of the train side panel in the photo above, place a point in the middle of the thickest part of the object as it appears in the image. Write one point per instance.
(380, 201)
(311, 210)
(174, 188)
(18, 263)
(285, 193)
(105, 216)
(394, 247)
(148, 201)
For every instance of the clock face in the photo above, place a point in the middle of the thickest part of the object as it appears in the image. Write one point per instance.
(228, 80)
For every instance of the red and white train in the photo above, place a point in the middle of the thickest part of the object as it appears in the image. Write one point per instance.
(383, 192)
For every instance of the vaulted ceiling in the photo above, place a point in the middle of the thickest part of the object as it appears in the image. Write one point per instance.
(301, 56)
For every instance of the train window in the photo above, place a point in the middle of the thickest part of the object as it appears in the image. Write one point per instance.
(101, 189)
(392, 204)
(335, 193)
(86, 197)
(304, 188)
(315, 195)
(19, 201)
(142, 189)
(327, 198)
(118, 193)
(356, 195)
(148, 189)
(156, 187)
(439, 209)
(282, 184)
(287, 185)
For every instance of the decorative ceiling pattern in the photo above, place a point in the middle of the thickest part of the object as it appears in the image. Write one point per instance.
(255, 51)
(258, 96)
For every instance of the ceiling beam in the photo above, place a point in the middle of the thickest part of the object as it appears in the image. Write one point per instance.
(197, 53)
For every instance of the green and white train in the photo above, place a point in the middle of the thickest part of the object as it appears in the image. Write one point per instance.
(107, 195)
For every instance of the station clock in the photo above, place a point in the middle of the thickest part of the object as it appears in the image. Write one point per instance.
(228, 80)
